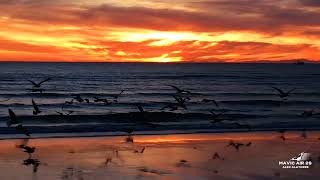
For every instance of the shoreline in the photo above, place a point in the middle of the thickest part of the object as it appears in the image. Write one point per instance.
(153, 133)
(167, 157)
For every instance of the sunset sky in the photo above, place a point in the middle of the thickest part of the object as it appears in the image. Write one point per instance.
(159, 30)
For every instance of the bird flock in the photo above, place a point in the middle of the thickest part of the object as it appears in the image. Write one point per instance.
(180, 100)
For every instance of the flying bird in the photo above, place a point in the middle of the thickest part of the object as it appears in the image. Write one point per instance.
(12, 119)
(170, 106)
(116, 96)
(68, 113)
(36, 109)
(181, 101)
(238, 125)
(141, 151)
(282, 136)
(38, 85)
(309, 113)
(283, 94)
(78, 98)
(217, 156)
(238, 145)
(210, 101)
(216, 117)
(140, 108)
(103, 100)
(13, 122)
(181, 91)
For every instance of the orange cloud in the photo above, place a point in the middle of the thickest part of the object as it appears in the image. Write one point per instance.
(161, 31)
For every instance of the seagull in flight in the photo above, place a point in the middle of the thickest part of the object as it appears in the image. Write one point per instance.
(116, 96)
(103, 100)
(36, 109)
(181, 91)
(38, 85)
(238, 145)
(13, 122)
(217, 117)
(210, 101)
(284, 94)
(68, 113)
(181, 102)
(217, 156)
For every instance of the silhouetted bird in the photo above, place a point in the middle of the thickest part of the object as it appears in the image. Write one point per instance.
(210, 101)
(238, 125)
(180, 90)
(68, 112)
(216, 117)
(181, 102)
(12, 121)
(170, 106)
(23, 129)
(282, 136)
(69, 102)
(36, 109)
(86, 100)
(140, 108)
(238, 145)
(249, 144)
(116, 96)
(309, 113)
(282, 94)
(217, 156)
(102, 100)
(34, 162)
(129, 139)
(38, 85)
(141, 151)
(78, 98)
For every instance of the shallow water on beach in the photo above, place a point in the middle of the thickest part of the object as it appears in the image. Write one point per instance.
(244, 91)
(166, 157)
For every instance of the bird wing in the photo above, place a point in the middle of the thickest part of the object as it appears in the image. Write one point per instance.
(175, 87)
(35, 106)
(60, 113)
(291, 90)
(279, 90)
(12, 118)
(32, 82)
(140, 108)
(48, 79)
(215, 103)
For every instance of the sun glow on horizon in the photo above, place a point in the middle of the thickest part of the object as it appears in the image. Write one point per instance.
(183, 31)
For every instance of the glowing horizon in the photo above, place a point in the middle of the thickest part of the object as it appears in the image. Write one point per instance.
(159, 31)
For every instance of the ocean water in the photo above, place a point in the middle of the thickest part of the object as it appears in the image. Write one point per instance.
(243, 91)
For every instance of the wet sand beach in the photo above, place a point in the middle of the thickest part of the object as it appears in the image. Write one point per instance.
(170, 157)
